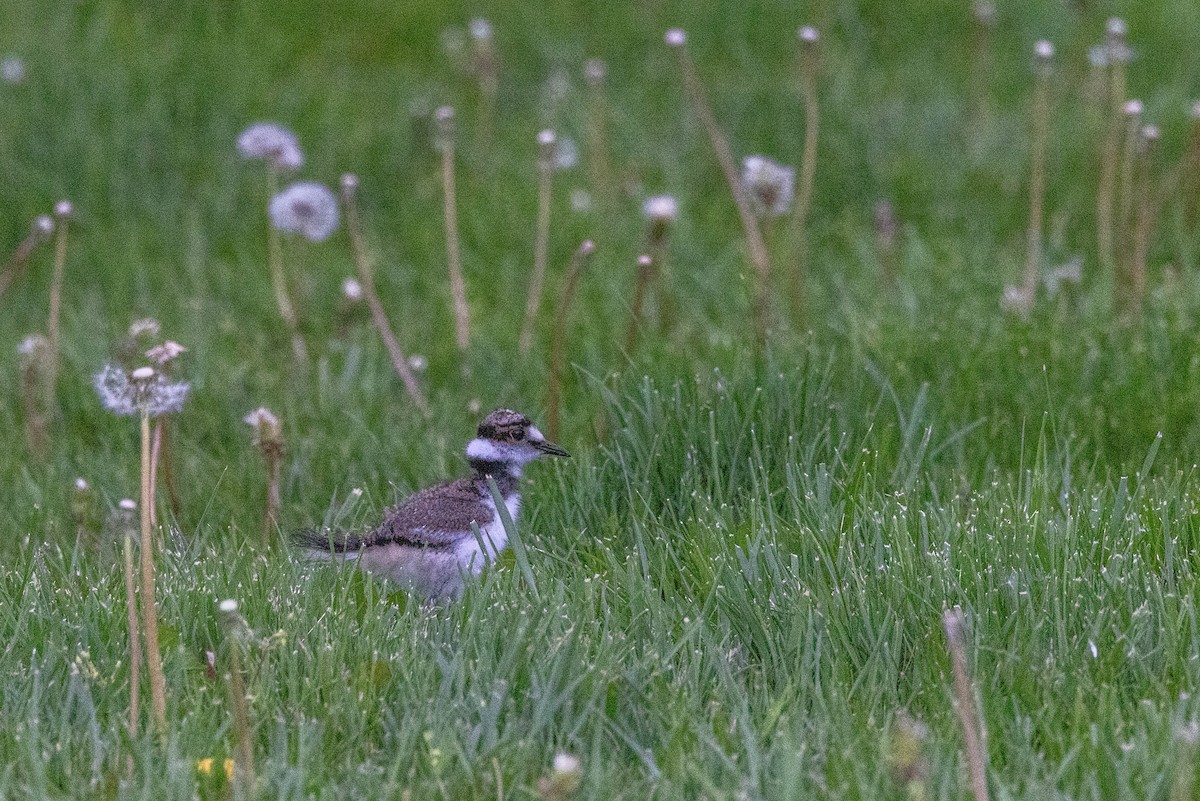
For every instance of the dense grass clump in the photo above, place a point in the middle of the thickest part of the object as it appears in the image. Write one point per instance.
(735, 589)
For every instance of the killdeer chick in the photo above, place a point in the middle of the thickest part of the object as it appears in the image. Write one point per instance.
(427, 542)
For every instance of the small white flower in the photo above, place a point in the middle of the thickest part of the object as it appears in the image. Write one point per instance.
(771, 184)
(660, 209)
(143, 391)
(305, 208)
(12, 69)
(352, 290)
(166, 352)
(272, 143)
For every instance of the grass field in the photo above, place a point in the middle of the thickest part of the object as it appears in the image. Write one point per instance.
(735, 588)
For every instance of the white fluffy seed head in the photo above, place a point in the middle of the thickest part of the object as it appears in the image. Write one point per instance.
(1150, 133)
(808, 35)
(661, 209)
(594, 70)
(166, 352)
(1196, 110)
(12, 69)
(546, 138)
(306, 208)
(675, 37)
(1116, 28)
(228, 606)
(81, 484)
(142, 374)
(1043, 49)
(127, 504)
(480, 29)
(352, 289)
(771, 185)
(349, 182)
(63, 209)
(43, 225)
(567, 763)
(272, 143)
(1133, 108)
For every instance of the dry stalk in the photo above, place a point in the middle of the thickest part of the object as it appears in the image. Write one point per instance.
(809, 39)
(283, 299)
(158, 680)
(964, 702)
(558, 345)
(458, 284)
(1109, 161)
(541, 246)
(41, 231)
(1044, 52)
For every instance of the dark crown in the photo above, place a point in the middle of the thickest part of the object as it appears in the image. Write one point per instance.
(501, 423)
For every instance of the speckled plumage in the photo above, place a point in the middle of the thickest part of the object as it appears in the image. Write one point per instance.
(427, 542)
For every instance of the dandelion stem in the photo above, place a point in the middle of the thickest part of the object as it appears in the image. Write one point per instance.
(287, 311)
(274, 499)
(952, 622)
(135, 644)
(62, 215)
(236, 681)
(458, 284)
(645, 272)
(808, 163)
(1037, 172)
(597, 130)
(1145, 211)
(158, 681)
(541, 246)
(43, 227)
(366, 277)
(754, 241)
(558, 344)
(1112, 146)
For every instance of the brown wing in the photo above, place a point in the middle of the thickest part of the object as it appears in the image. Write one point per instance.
(432, 518)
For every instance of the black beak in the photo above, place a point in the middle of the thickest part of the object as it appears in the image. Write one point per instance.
(549, 448)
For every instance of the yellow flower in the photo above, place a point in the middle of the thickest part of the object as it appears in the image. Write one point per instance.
(205, 766)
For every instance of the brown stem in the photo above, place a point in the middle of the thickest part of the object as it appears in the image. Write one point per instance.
(952, 622)
(558, 344)
(56, 285)
(1105, 237)
(19, 259)
(541, 254)
(754, 241)
(274, 500)
(168, 472)
(597, 130)
(1146, 210)
(367, 278)
(135, 643)
(458, 284)
(238, 704)
(158, 680)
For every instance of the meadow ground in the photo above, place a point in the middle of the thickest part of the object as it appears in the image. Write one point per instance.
(735, 588)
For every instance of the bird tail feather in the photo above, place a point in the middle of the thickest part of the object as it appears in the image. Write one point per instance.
(325, 545)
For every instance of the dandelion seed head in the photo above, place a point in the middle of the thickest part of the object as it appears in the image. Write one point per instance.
(306, 208)
(985, 13)
(31, 344)
(675, 37)
(1132, 108)
(474, 406)
(772, 185)
(1116, 27)
(63, 209)
(581, 201)
(546, 138)
(147, 326)
(661, 209)
(127, 504)
(349, 183)
(1196, 110)
(1016, 299)
(261, 417)
(1150, 134)
(352, 290)
(166, 352)
(594, 71)
(480, 29)
(808, 35)
(81, 484)
(566, 154)
(566, 763)
(228, 606)
(43, 226)
(143, 391)
(418, 363)
(12, 69)
(272, 143)
(1043, 49)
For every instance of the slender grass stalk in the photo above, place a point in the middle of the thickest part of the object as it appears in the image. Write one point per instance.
(547, 142)
(41, 231)
(458, 284)
(154, 668)
(887, 232)
(599, 163)
(131, 618)
(809, 63)
(964, 696)
(757, 248)
(279, 285)
(1145, 211)
(234, 628)
(559, 344)
(1044, 53)
(366, 277)
(645, 274)
(62, 214)
(1109, 161)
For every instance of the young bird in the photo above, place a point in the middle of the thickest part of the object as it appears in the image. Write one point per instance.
(426, 543)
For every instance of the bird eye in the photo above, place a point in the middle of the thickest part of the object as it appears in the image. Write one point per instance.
(518, 435)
